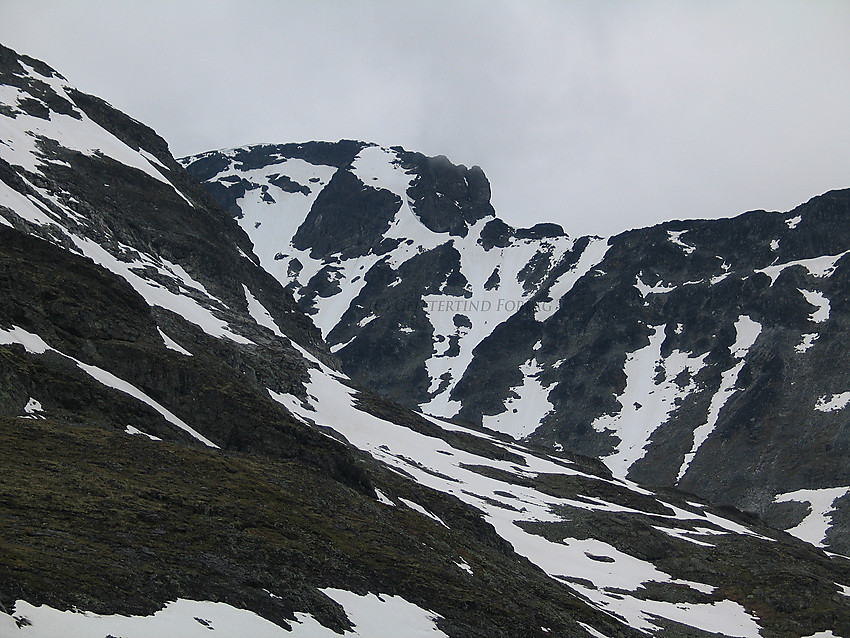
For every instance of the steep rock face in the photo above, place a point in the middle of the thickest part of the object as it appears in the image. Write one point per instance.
(690, 354)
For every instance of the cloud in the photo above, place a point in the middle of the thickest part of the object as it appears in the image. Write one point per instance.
(602, 116)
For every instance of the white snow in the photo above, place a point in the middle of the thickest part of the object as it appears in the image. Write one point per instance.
(110, 380)
(682, 535)
(366, 320)
(593, 632)
(33, 408)
(259, 313)
(774, 244)
(378, 615)
(793, 221)
(807, 342)
(26, 207)
(834, 403)
(379, 167)
(416, 507)
(171, 344)
(526, 406)
(657, 289)
(817, 266)
(820, 302)
(674, 237)
(814, 526)
(645, 404)
(136, 431)
(383, 498)
(372, 616)
(156, 295)
(486, 309)
(339, 346)
(19, 135)
(465, 567)
(178, 618)
(36, 345)
(747, 332)
(31, 342)
(152, 159)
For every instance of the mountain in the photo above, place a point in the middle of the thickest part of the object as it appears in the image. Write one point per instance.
(708, 356)
(182, 452)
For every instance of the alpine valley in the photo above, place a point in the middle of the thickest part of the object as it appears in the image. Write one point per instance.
(321, 389)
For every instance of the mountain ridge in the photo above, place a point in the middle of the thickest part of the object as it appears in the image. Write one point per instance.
(184, 453)
(547, 356)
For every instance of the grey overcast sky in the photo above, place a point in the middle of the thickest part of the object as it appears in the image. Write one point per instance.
(599, 115)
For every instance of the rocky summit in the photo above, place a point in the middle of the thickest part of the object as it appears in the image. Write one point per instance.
(321, 389)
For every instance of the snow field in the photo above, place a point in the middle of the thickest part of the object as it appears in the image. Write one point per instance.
(592, 256)
(333, 404)
(833, 403)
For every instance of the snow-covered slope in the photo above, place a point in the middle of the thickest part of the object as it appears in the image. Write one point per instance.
(690, 354)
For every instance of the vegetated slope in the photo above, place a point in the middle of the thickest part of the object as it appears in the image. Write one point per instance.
(706, 355)
(177, 447)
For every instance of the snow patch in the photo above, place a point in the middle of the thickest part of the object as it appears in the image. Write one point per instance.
(814, 527)
(383, 498)
(807, 342)
(820, 302)
(156, 295)
(674, 236)
(747, 331)
(380, 615)
(834, 403)
(817, 266)
(259, 313)
(19, 143)
(171, 344)
(33, 409)
(184, 618)
(657, 289)
(646, 403)
(526, 406)
(136, 431)
(416, 507)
